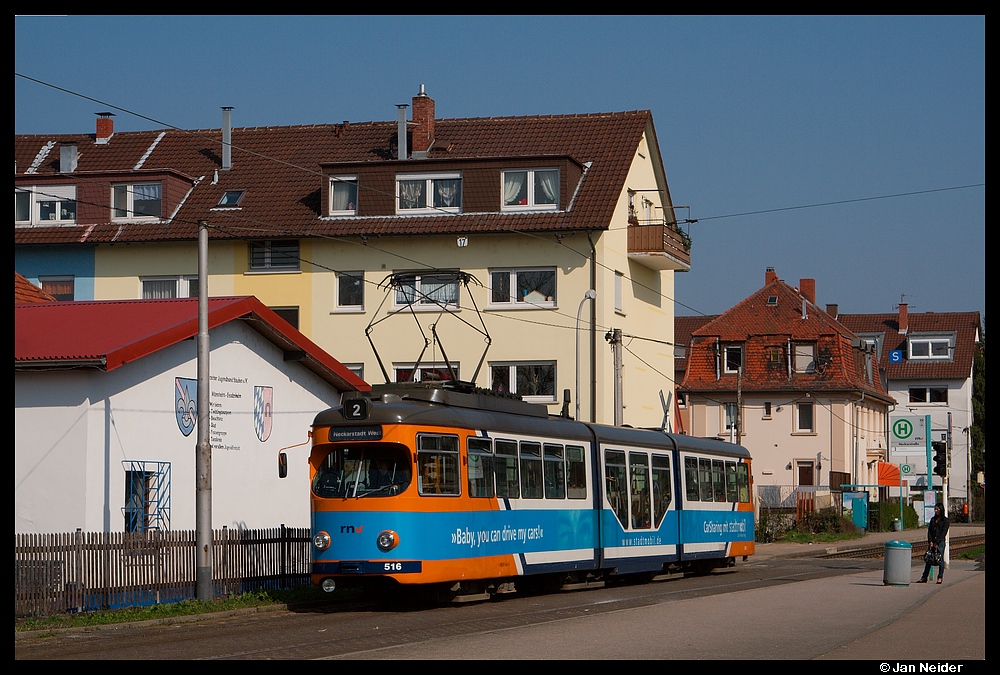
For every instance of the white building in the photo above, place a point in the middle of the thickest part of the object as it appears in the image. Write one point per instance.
(105, 414)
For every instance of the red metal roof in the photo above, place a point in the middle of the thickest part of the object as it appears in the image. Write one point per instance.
(109, 334)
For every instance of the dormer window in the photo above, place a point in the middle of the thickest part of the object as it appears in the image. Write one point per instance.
(45, 205)
(530, 189)
(343, 195)
(428, 193)
(133, 201)
(931, 347)
(734, 358)
(805, 357)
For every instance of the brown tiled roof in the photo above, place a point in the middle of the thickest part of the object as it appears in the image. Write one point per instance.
(684, 326)
(281, 168)
(965, 326)
(25, 291)
(760, 325)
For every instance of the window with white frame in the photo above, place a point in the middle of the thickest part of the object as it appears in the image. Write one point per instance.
(428, 291)
(159, 288)
(619, 292)
(343, 195)
(931, 347)
(429, 193)
(356, 368)
(274, 255)
(530, 189)
(523, 287)
(804, 357)
(351, 291)
(804, 422)
(533, 381)
(734, 358)
(928, 394)
(45, 205)
(131, 201)
(428, 372)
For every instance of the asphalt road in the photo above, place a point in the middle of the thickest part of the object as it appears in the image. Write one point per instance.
(768, 609)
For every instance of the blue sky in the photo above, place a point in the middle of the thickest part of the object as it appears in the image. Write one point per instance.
(850, 150)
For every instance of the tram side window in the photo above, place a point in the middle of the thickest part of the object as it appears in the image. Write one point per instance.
(480, 467)
(661, 488)
(731, 481)
(691, 479)
(616, 477)
(638, 464)
(719, 480)
(554, 469)
(743, 481)
(576, 472)
(437, 457)
(531, 470)
(505, 460)
(705, 479)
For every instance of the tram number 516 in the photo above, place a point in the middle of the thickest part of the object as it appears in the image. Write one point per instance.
(392, 567)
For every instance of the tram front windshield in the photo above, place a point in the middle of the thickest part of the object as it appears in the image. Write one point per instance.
(371, 471)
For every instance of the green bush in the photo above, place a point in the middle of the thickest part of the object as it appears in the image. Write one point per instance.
(825, 521)
(887, 512)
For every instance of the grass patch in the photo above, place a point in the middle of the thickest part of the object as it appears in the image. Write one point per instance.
(301, 595)
(973, 553)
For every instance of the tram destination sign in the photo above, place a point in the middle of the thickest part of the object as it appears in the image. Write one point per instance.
(369, 433)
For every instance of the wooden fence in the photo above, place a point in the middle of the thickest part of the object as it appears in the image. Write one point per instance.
(86, 571)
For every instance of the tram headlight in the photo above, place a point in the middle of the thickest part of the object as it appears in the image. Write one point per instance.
(387, 540)
(321, 541)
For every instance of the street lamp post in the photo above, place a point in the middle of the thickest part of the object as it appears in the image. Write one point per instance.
(589, 295)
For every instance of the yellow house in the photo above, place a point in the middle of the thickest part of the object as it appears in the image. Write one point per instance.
(531, 255)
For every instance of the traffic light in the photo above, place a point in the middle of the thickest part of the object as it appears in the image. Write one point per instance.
(940, 449)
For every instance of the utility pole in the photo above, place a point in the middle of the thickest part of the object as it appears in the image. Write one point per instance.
(739, 403)
(614, 336)
(203, 453)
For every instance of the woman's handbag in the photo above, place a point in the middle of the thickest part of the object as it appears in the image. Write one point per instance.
(933, 556)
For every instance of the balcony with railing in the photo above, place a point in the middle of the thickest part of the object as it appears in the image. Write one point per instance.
(659, 244)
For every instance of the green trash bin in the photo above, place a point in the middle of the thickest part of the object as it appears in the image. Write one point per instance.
(898, 560)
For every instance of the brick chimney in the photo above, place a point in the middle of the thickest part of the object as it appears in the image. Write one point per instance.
(423, 124)
(770, 276)
(832, 310)
(904, 318)
(807, 287)
(105, 127)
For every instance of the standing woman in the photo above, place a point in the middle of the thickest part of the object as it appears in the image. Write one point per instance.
(937, 530)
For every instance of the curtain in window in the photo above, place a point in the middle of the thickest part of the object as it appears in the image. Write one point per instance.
(344, 195)
(513, 187)
(158, 289)
(411, 194)
(443, 290)
(448, 192)
(546, 187)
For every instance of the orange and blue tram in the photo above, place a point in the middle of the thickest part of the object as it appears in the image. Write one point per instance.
(471, 493)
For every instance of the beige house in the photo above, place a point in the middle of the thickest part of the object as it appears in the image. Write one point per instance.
(785, 379)
(419, 248)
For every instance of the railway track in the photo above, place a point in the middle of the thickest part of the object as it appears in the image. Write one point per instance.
(957, 545)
